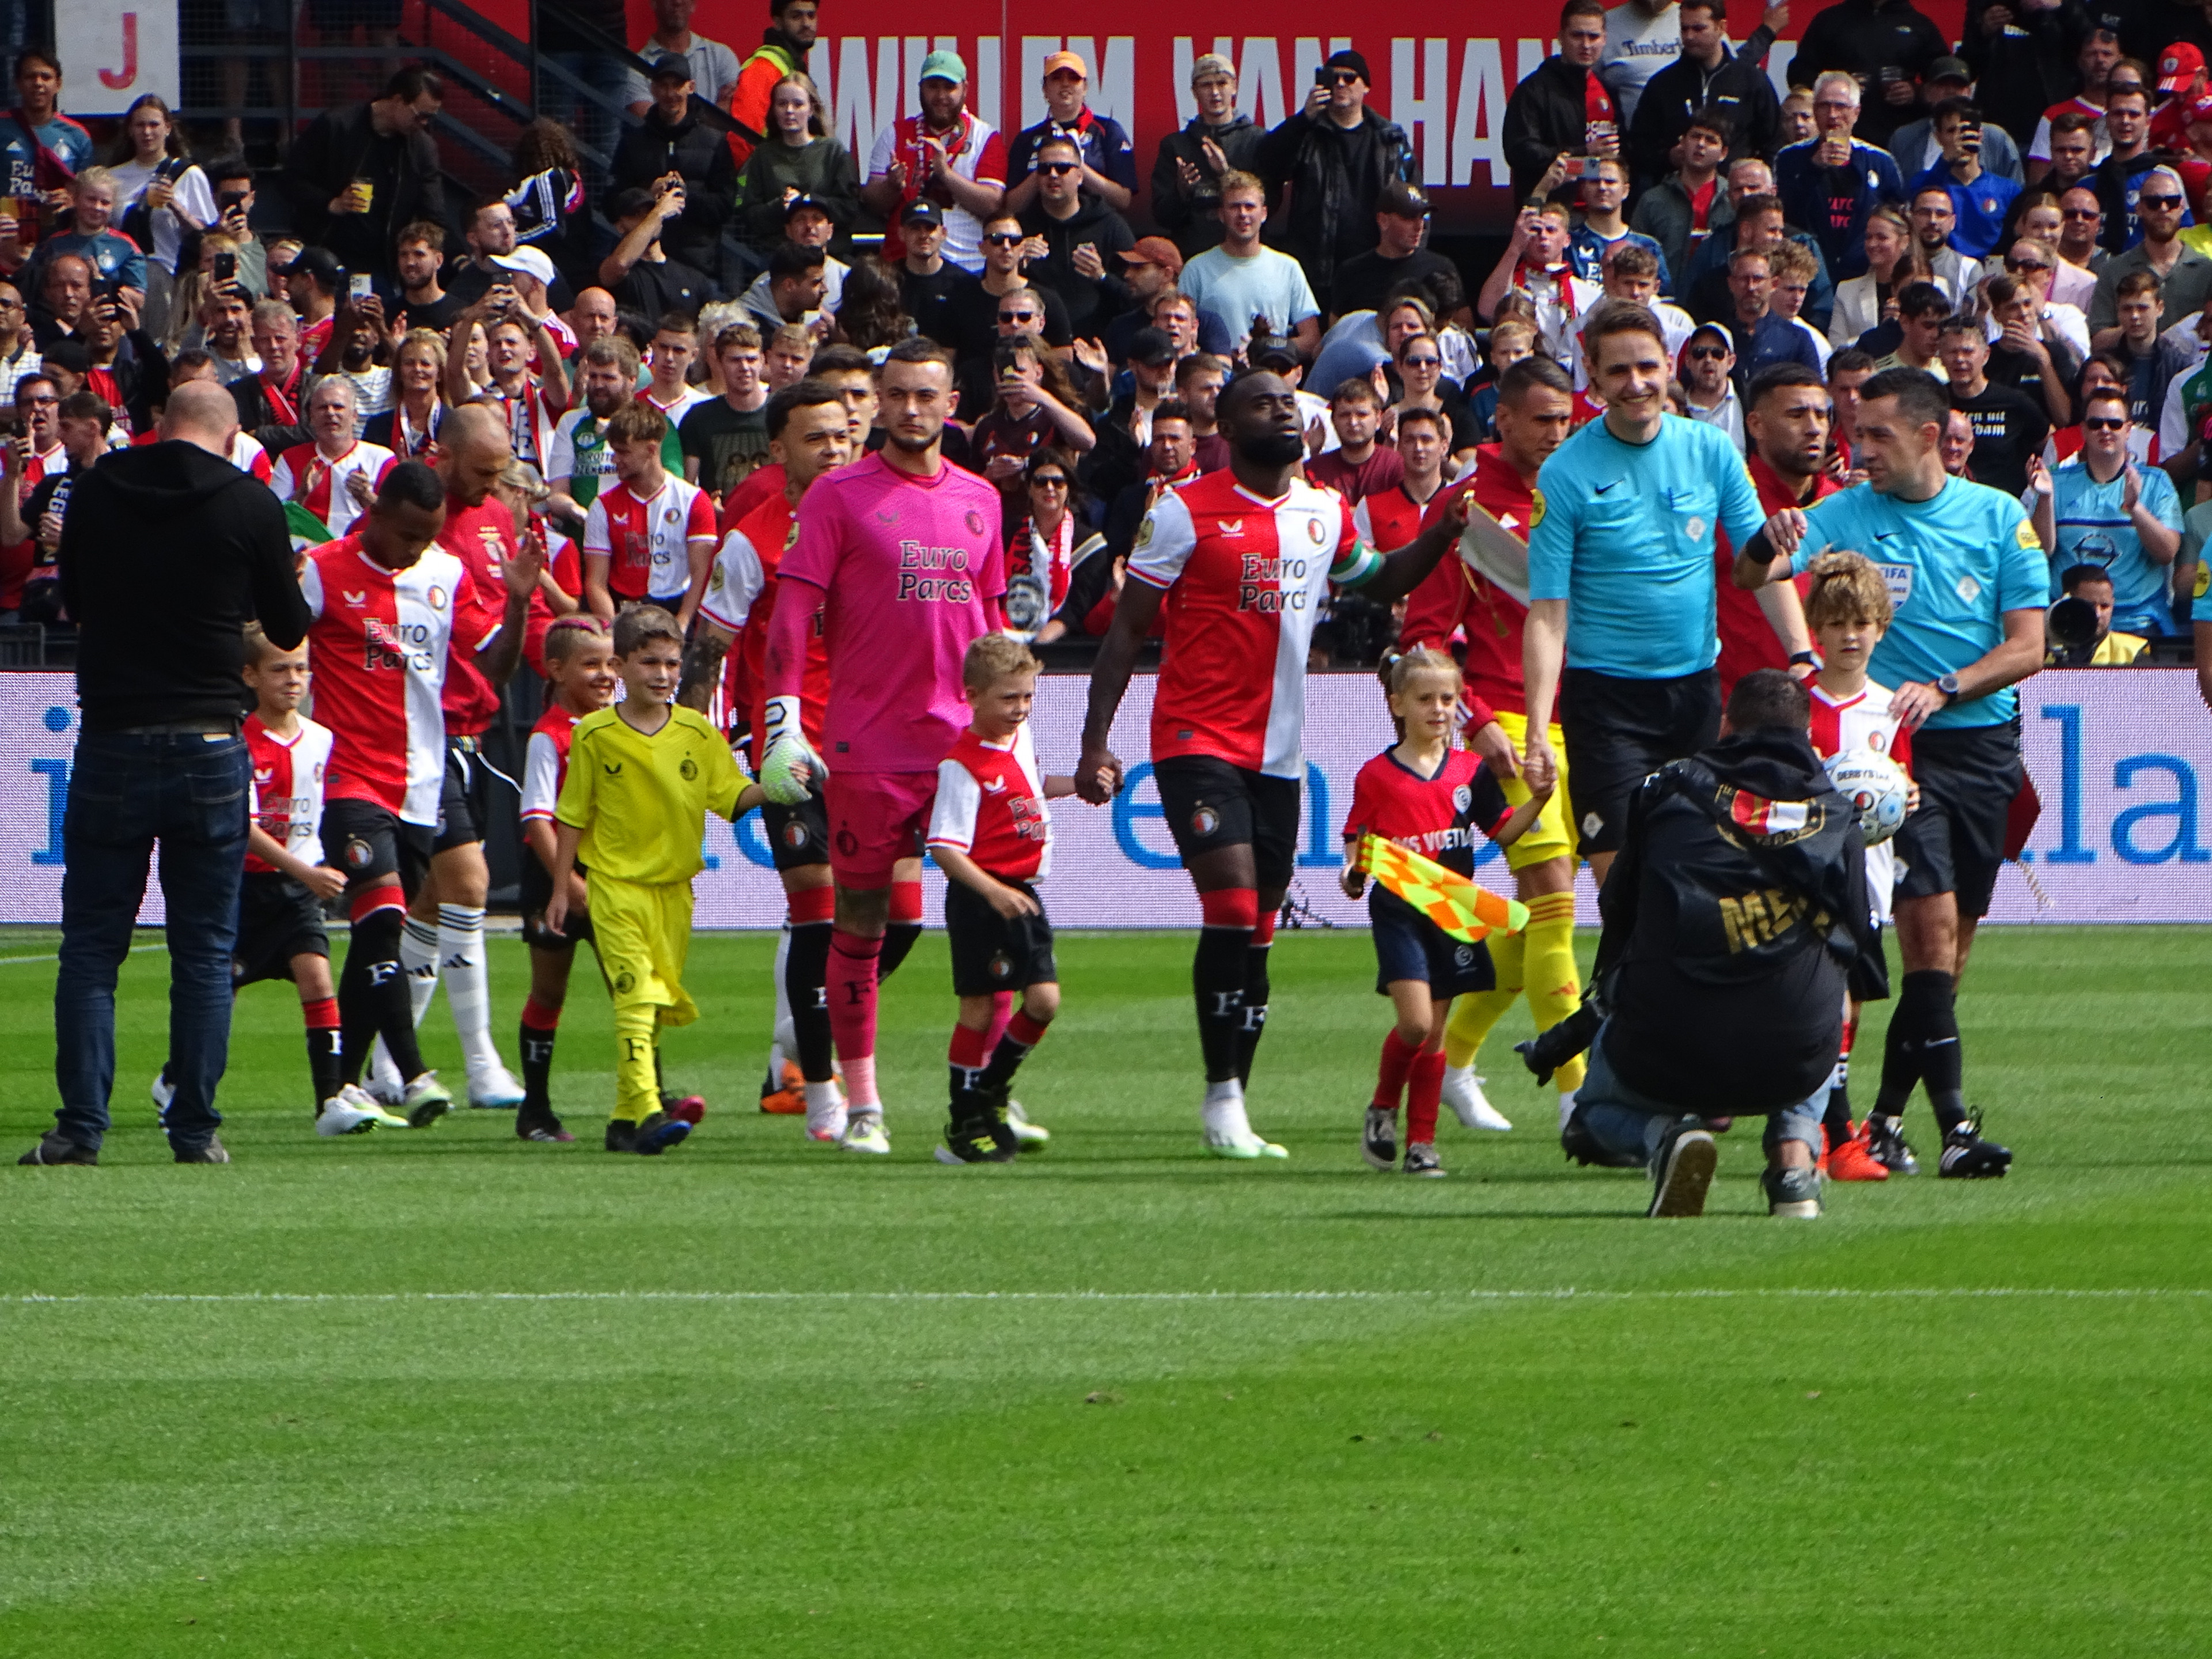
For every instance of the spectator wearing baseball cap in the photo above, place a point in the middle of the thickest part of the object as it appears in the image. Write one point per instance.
(930, 285)
(1150, 269)
(2181, 79)
(1915, 144)
(1401, 224)
(1119, 460)
(1109, 161)
(1187, 174)
(672, 145)
(1335, 154)
(945, 153)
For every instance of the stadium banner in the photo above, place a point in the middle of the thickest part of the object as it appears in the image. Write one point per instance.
(2116, 754)
(1448, 89)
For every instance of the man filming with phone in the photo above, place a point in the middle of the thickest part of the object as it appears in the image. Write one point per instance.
(232, 179)
(1979, 198)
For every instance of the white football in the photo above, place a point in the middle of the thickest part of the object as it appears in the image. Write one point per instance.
(1876, 787)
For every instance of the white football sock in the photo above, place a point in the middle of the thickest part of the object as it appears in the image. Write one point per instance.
(1223, 1114)
(468, 985)
(786, 1046)
(418, 955)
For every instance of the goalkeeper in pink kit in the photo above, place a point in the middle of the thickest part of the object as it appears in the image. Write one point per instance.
(899, 555)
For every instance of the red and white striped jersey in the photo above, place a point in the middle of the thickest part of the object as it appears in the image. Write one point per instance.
(741, 594)
(990, 804)
(304, 475)
(483, 538)
(288, 787)
(1389, 518)
(379, 639)
(1245, 579)
(646, 542)
(545, 762)
(1863, 722)
(247, 455)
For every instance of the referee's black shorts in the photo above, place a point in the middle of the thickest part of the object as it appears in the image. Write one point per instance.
(1968, 775)
(1620, 731)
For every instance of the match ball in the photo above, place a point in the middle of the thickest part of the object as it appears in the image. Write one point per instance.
(1876, 787)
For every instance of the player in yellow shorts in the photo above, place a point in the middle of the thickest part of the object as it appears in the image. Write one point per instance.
(1480, 598)
(642, 776)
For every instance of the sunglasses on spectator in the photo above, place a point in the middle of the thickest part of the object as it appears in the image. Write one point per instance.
(2150, 201)
(1423, 362)
(2103, 423)
(1059, 167)
(11, 305)
(1017, 316)
(2025, 264)
(1707, 354)
(2082, 213)
(1343, 78)
(1048, 481)
(1004, 239)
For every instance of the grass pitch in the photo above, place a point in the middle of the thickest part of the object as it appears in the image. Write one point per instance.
(448, 1395)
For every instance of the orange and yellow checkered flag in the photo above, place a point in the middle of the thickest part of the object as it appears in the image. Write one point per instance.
(1463, 908)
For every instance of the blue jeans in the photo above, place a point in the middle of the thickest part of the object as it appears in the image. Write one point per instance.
(1625, 1120)
(186, 791)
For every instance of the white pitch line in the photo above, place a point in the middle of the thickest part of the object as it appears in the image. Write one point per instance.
(1564, 1294)
(9, 962)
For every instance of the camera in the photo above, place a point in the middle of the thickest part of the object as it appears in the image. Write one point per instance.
(2072, 623)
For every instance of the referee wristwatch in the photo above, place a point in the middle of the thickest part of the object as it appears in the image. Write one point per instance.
(1949, 686)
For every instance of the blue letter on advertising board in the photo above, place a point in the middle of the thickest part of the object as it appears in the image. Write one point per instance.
(2182, 810)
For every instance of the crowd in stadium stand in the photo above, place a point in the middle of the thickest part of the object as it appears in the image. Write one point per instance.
(2023, 218)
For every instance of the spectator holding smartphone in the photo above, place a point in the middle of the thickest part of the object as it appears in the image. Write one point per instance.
(234, 205)
(158, 196)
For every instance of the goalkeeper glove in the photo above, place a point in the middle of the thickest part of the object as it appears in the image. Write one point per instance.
(790, 770)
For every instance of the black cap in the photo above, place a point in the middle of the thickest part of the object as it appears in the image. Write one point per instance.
(1402, 201)
(1271, 351)
(791, 207)
(920, 212)
(1352, 61)
(1153, 348)
(74, 356)
(318, 263)
(674, 67)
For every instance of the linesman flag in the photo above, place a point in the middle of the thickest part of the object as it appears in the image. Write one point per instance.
(1467, 910)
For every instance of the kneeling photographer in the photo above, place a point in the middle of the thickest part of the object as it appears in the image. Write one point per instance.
(1731, 919)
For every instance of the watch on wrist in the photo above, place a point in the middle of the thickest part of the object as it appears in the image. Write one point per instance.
(1807, 658)
(1949, 686)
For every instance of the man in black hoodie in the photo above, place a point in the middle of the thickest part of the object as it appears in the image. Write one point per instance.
(672, 145)
(1073, 241)
(166, 552)
(1217, 140)
(1735, 911)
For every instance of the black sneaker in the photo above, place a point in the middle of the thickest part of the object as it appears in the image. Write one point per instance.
(1885, 1145)
(1792, 1192)
(1577, 1141)
(539, 1123)
(1681, 1168)
(55, 1148)
(659, 1132)
(1967, 1156)
(622, 1135)
(1378, 1139)
(975, 1134)
(211, 1150)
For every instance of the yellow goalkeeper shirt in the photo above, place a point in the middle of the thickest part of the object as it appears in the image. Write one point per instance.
(641, 802)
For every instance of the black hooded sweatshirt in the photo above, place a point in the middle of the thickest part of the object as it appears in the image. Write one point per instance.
(1737, 905)
(166, 553)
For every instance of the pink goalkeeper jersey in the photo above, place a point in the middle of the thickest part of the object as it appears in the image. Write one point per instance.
(907, 565)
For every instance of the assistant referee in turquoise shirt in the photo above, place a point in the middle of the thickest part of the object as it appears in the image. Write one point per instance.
(1623, 583)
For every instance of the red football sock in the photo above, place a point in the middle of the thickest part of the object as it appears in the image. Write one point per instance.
(1397, 1061)
(321, 1015)
(852, 985)
(1425, 1088)
(538, 1016)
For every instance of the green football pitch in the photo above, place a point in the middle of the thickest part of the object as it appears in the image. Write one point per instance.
(445, 1394)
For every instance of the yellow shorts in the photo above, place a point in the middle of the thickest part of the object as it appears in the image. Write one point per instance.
(643, 932)
(1552, 836)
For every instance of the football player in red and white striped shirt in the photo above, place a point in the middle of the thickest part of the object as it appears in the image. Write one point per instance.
(649, 539)
(443, 934)
(1240, 561)
(991, 832)
(335, 477)
(384, 601)
(808, 434)
(580, 667)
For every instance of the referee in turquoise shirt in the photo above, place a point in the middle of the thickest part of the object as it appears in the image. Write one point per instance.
(1623, 584)
(1968, 579)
